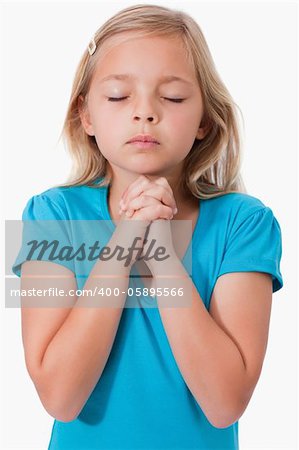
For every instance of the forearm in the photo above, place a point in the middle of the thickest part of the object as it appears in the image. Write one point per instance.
(208, 359)
(75, 358)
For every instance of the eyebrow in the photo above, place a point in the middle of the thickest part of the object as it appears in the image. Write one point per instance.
(126, 76)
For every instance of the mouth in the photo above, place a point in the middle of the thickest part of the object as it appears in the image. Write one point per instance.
(144, 145)
(144, 139)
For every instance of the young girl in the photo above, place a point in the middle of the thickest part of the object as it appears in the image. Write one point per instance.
(155, 136)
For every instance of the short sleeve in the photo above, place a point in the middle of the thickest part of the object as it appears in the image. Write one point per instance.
(44, 224)
(255, 245)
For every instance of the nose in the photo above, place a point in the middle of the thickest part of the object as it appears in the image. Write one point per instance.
(145, 112)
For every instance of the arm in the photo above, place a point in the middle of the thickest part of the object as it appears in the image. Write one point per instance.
(220, 354)
(66, 349)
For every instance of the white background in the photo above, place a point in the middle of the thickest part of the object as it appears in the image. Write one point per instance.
(254, 48)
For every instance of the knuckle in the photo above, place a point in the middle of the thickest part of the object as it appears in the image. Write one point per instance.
(144, 179)
(169, 211)
(143, 200)
(163, 181)
(151, 200)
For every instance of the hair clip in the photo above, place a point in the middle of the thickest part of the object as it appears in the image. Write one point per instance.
(92, 47)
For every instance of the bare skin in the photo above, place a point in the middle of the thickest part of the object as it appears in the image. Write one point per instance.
(66, 349)
(188, 210)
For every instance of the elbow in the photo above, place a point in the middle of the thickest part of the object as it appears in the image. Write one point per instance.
(228, 417)
(60, 409)
(62, 415)
(224, 421)
(55, 401)
(228, 410)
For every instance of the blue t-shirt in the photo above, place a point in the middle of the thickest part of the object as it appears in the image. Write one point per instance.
(141, 400)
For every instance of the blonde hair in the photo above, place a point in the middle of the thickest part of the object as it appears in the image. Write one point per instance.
(212, 167)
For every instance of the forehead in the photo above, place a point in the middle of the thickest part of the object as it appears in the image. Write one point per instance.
(136, 53)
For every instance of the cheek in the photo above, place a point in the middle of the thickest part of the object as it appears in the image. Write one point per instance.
(105, 122)
(184, 123)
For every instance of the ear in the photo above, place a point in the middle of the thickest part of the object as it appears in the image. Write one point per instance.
(203, 129)
(200, 133)
(84, 116)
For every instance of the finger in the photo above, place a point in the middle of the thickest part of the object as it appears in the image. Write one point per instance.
(128, 187)
(158, 192)
(154, 212)
(140, 202)
(163, 195)
(162, 181)
(148, 197)
(133, 192)
(142, 179)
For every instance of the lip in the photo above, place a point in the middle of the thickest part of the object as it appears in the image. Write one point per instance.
(144, 145)
(143, 139)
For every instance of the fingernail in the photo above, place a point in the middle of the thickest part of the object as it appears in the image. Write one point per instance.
(175, 210)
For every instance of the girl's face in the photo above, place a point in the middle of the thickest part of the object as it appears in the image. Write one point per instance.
(144, 86)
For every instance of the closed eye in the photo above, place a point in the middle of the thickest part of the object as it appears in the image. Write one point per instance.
(119, 99)
(175, 100)
(116, 99)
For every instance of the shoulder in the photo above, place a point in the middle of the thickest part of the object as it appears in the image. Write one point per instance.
(59, 202)
(236, 206)
(235, 213)
(238, 201)
(49, 204)
(62, 195)
(54, 195)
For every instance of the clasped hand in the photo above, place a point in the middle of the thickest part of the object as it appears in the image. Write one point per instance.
(152, 201)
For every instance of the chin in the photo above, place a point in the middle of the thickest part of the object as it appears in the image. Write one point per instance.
(146, 169)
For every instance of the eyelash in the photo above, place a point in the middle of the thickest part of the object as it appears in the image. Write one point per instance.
(118, 99)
